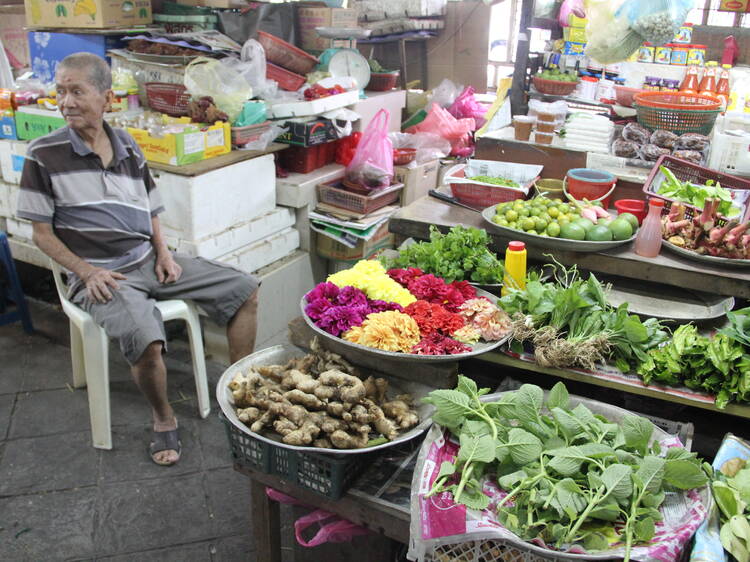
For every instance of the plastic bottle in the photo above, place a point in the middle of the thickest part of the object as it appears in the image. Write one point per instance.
(708, 82)
(690, 83)
(722, 88)
(648, 241)
(515, 267)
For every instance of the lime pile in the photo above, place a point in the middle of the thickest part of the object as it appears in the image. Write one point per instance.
(549, 217)
(555, 74)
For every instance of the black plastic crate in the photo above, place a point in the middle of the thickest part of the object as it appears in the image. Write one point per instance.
(327, 475)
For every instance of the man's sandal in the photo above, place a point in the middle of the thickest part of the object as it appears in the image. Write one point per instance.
(165, 441)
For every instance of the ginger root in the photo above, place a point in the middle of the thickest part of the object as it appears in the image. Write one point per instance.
(302, 436)
(350, 388)
(399, 411)
(309, 401)
(344, 440)
(248, 415)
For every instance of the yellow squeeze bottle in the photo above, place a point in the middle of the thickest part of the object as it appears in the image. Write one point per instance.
(515, 267)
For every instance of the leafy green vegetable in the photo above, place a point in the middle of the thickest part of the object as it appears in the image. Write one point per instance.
(568, 472)
(696, 195)
(495, 181)
(460, 255)
(731, 490)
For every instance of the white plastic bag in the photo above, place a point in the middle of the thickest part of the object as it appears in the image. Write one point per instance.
(228, 88)
(429, 146)
(445, 93)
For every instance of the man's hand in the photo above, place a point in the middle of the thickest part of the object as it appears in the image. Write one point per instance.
(101, 282)
(167, 270)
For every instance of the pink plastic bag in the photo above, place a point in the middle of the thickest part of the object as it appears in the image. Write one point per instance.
(455, 131)
(336, 530)
(372, 165)
(570, 7)
(467, 107)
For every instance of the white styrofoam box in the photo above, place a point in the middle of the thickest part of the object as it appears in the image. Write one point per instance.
(5, 209)
(300, 190)
(20, 228)
(394, 101)
(260, 254)
(283, 283)
(375, 10)
(12, 156)
(206, 204)
(237, 236)
(314, 107)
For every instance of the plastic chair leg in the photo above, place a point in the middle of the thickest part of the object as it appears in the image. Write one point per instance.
(77, 357)
(199, 361)
(96, 352)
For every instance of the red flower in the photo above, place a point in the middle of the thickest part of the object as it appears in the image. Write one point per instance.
(465, 288)
(435, 344)
(434, 318)
(404, 276)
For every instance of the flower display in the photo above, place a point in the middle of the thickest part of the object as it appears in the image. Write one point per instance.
(437, 344)
(491, 322)
(432, 317)
(390, 331)
(336, 310)
(467, 334)
(431, 288)
(370, 277)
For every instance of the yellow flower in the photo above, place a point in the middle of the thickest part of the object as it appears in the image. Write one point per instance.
(370, 277)
(389, 331)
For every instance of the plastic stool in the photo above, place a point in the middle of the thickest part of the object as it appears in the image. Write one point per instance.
(14, 293)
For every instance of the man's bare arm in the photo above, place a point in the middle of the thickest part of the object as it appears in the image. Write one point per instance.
(97, 279)
(167, 270)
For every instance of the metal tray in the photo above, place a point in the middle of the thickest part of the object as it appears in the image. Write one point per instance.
(708, 260)
(280, 354)
(476, 349)
(548, 242)
(665, 302)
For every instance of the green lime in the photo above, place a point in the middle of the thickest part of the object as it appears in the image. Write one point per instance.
(527, 224)
(524, 212)
(572, 231)
(546, 216)
(513, 225)
(599, 233)
(631, 218)
(540, 224)
(553, 229)
(621, 229)
(553, 212)
(584, 223)
(563, 222)
(511, 215)
(564, 208)
(535, 212)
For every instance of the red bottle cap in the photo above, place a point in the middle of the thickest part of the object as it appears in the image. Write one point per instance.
(516, 246)
(656, 202)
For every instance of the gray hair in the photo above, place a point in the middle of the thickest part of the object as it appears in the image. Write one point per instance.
(100, 76)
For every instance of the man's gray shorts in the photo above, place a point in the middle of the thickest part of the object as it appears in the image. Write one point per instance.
(131, 317)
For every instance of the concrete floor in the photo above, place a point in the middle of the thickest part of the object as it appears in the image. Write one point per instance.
(61, 499)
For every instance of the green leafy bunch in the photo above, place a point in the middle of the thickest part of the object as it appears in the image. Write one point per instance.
(460, 255)
(696, 195)
(719, 365)
(568, 471)
(731, 490)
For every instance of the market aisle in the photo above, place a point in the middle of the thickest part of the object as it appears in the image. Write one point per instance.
(62, 499)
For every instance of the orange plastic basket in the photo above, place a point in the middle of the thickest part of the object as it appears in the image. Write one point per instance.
(676, 100)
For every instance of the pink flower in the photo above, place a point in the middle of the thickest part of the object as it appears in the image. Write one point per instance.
(338, 319)
(351, 296)
(428, 287)
(436, 344)
(316, 308)
(382, 306)
(323, 290)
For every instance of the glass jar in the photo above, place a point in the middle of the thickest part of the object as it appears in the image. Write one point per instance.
(646, 53)
(679, 55)
(684, 34)
(697, 54)
(663, 54)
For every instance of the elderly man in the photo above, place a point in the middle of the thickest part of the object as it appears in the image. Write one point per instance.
(94, 207)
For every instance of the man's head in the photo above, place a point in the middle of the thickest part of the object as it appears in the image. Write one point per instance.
(83, 83)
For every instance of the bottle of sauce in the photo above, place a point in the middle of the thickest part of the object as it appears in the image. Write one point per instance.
(708, 82)
(722, 87)
(648, 241)
(515, 267)
(690, 84)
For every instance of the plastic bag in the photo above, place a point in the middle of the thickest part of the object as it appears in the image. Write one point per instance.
(445, 93)
(568, 7)
(651, 152)
(429, 146)
(625, 148)
(228, 88)
(559, 109)
(335, 531)
(253, 112)
(657, 21)
(690, 155)
(692, 141)
(636, 133)
(664, 139)
(610, 36)
(372, 165)
(466, 106)
(442, 123)
(265, 139)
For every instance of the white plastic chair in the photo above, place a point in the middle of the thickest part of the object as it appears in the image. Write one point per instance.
(89, 350)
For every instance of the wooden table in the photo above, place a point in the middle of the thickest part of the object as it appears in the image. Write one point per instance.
(415, 221)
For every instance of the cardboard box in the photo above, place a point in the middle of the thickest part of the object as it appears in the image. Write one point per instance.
(47, 49)
(32, 122)
(575, 34)
(573, 48)
(310, 18)
(192, 145)
(13, 36)
(96, 14)
(310, 133)
(417, 181)
(329, 248)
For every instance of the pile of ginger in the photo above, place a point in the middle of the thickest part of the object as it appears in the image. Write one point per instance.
(320, 400)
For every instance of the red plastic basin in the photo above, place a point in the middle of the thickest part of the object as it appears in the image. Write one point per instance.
(633, 206)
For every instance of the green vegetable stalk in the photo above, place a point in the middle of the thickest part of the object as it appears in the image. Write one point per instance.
(696, 195)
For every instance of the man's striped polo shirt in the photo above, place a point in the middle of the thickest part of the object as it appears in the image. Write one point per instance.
(102, 215)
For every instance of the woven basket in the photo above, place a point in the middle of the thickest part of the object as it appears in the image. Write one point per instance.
(677, 112)
(554, 87)
(172, 99)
